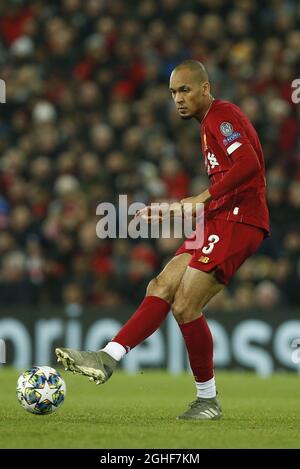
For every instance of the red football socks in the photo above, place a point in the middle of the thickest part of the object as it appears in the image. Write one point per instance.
(199, 343)
(146, 320)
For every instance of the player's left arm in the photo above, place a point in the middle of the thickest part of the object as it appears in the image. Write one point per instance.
(245, 166)
(231, 136)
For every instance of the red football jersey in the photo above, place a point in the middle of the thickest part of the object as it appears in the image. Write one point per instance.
(224, 130)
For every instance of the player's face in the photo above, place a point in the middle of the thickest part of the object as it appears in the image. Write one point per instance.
(189, 95)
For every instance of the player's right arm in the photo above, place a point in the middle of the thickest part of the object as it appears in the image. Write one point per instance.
(158, 212)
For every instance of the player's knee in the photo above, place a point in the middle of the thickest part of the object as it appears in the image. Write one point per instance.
(179, 310)
(158, 287)
(183, 312)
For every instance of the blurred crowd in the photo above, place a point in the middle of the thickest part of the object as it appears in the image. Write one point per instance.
(88, 116)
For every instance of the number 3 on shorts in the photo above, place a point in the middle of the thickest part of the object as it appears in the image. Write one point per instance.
(213, 240)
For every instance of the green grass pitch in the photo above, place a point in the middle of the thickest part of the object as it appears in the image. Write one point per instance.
(138, 411)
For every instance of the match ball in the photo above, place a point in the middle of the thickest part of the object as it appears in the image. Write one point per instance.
(41, 390)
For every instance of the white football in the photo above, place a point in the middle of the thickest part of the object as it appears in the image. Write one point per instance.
(41, 390)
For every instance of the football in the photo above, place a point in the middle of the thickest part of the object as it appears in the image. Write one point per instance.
(41, 390)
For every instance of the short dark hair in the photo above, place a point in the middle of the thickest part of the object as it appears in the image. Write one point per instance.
(194, 66)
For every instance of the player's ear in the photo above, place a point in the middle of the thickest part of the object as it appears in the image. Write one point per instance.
(206, 88)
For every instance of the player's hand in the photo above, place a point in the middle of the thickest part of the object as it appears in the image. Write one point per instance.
(160, 212)
(149, 213)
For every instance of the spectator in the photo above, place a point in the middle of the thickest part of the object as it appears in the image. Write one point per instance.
(88, 117)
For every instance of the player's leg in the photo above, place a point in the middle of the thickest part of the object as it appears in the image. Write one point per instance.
(153, 309)
(160, 293)
(226, 246)
(195, 290)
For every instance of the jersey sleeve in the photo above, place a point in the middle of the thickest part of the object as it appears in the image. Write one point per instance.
(226, 127)
(245, 166)
(229, 129)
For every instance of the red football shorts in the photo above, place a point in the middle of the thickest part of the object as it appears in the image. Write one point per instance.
(226, 245)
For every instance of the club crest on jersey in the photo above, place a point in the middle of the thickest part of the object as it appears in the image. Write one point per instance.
(226, 128)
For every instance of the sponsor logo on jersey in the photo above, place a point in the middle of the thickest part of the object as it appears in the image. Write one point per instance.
(226, 128)
(204, 259)
(231, 138)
